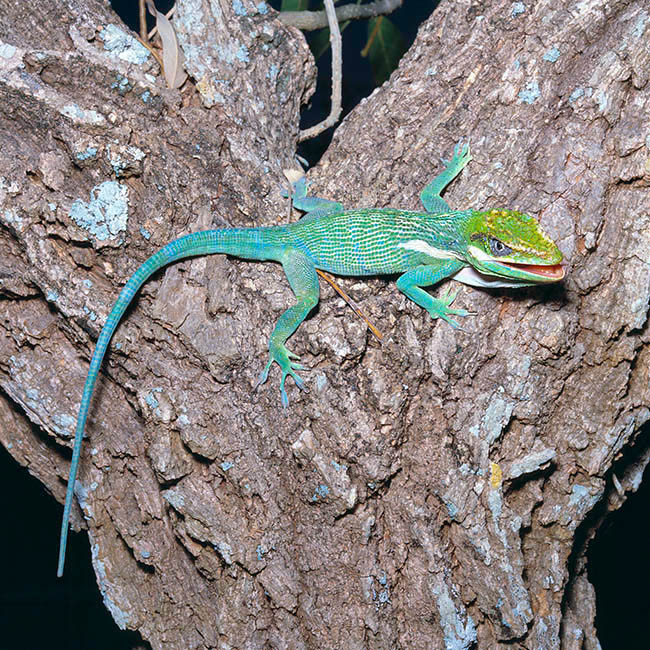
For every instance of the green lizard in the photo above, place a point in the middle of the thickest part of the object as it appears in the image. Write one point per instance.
(493, 248)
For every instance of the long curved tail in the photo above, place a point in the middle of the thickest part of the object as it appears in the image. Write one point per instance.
(252, 243)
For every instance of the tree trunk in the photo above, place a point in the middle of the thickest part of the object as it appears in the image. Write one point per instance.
(437, 491)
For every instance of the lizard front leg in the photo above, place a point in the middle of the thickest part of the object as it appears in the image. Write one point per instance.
(430, 195)
(313, 206)
(426, 275)
(301, 273)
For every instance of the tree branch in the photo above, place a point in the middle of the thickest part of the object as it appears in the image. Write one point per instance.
(337, 75)
(310, 20)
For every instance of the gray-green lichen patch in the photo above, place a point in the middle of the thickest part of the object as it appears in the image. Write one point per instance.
(531, 463)
(12, 218)
(639, 27)
(530, 92)
(89, 153)
(552, 55)
(122, 46)
(517, 9)
(175, 498)
(458, 627)
(7, 51)
(126, 160)
(239, 8)
(107, 212)
(497, 415)
(38, 403)
(120, 616)
(81, 116)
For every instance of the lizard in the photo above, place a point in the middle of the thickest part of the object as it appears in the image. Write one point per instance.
(488, 248)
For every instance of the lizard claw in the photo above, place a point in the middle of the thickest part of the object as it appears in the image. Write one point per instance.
(455, 324)
(441, 309)
(279, 354)
(283, 393)
(264, 375)
(460, 158)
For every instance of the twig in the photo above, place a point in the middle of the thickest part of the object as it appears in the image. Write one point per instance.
(145, 38)
(337, 65)
(143, 21)
(310, 20)
(326, 276)
(155, 54)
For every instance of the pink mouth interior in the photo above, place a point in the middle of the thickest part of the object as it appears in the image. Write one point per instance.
(553, 271)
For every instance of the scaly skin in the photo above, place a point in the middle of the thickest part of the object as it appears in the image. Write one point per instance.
(489, 248)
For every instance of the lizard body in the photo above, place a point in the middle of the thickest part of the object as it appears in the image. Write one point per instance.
(493, 248)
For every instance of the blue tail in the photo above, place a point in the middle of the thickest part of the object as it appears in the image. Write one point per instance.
(252, 243)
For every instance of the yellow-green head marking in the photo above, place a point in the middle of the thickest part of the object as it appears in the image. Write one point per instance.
(511, 245)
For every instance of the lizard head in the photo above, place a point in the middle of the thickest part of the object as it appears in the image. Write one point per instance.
(511, 245)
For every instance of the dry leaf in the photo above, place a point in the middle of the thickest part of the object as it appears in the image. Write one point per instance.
(173, 59)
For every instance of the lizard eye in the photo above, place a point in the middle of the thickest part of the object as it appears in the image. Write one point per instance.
(498, 248)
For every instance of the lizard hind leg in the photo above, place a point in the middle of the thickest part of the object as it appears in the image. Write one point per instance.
(301, 273)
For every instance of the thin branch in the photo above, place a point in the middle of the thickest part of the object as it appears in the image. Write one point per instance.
(155, 54)
(326, 276)
(310, 20)
(143, 21)
(337, 67)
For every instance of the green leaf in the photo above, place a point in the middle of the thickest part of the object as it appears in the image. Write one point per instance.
(294, 5)
(384, 48)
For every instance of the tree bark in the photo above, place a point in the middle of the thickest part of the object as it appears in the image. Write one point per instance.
(435, 492)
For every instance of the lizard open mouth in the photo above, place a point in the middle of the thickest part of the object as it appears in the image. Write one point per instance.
(553, 272)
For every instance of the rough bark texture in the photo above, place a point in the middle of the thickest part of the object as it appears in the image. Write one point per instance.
(435, 492)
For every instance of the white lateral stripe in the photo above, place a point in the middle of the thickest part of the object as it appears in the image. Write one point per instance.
(480, 255)
(423, 247)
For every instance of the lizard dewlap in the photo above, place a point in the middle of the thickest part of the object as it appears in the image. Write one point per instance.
(493, 248)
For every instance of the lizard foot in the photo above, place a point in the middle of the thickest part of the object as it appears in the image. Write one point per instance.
(279, 353)
(299, 189)
(460, 158)
(442, 310)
